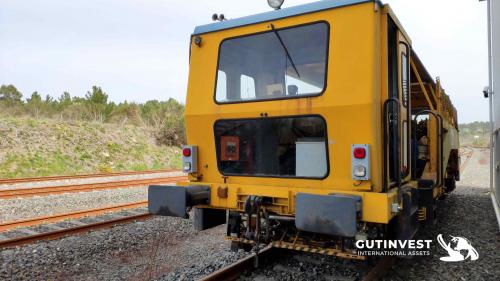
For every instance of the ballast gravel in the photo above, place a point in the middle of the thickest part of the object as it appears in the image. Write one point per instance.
(465, 213)
(31, 207)
(143, 250)
(37, 206)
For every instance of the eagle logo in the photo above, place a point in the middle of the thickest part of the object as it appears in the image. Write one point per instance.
(459, 249)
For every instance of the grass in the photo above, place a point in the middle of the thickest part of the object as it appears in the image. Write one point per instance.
(31, 147)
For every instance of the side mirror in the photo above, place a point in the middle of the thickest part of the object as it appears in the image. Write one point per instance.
(486, 92)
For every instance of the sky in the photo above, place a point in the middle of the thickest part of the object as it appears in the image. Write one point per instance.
(137, 50)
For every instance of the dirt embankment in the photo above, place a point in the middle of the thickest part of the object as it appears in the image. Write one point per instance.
(31, 147)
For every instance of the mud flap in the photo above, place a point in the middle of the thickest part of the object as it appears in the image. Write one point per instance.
(173, 201)
(334, 214)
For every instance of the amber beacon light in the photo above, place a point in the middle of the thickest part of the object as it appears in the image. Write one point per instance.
(275, 4)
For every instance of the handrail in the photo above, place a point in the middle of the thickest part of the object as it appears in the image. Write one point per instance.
(387, 120)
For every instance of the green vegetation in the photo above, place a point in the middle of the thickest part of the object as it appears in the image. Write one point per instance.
(73, 135)
(164, 117)
(475, 134)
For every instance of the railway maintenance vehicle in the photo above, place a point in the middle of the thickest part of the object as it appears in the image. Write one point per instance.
(312, 127)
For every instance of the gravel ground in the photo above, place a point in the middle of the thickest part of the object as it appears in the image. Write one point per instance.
(467, 212)
(200, 256)
(169, 249)
(302, 266)
(161, 247)
(24, 208)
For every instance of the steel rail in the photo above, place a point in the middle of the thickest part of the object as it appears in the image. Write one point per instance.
(468, 156)
(380, 269)
(234, 270)
(83, 176)
(74, 215)
(70, 231)
(50, 190)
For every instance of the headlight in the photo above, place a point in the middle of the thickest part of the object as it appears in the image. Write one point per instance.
(275, 4)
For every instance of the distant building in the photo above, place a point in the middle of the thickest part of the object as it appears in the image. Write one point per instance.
(492, 91)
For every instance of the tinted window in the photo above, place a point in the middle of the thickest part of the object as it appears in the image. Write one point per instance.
(284, 147)
(281, 64)
(405, 82)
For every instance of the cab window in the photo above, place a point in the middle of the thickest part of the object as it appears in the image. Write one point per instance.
(273, 147)
(277, 64)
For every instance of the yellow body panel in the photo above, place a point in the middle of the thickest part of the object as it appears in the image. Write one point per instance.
(349, 104)
(376, 206)
(356, 89)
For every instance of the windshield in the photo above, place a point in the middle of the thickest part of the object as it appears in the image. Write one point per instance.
(277, 64)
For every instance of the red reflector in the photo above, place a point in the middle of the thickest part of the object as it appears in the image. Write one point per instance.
(186, 152)
(359, 153)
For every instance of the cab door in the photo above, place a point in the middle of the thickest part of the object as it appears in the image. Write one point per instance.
(397, 108)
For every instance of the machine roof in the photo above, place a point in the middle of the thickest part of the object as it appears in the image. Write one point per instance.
(278, 14)
(424, 74)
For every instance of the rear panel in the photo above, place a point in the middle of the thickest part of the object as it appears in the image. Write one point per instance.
(349, 104)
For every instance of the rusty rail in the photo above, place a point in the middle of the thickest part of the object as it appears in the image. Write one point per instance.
(380, 269)
(74, 215)
(50, 190)
(468, 154)
(100, 175)
(70, 231)
(233, 271)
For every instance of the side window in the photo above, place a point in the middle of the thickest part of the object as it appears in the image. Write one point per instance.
(405, 96)
(404, 77)
(405, 147)
(247, 84)
(221, 85)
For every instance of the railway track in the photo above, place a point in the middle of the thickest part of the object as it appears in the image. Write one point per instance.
(466, 152)
(84, 176)
(74, 215)
(233, 271)
(74, 226)
(50, 190)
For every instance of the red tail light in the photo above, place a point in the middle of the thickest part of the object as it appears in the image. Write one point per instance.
(186, 152)
(359, 153)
